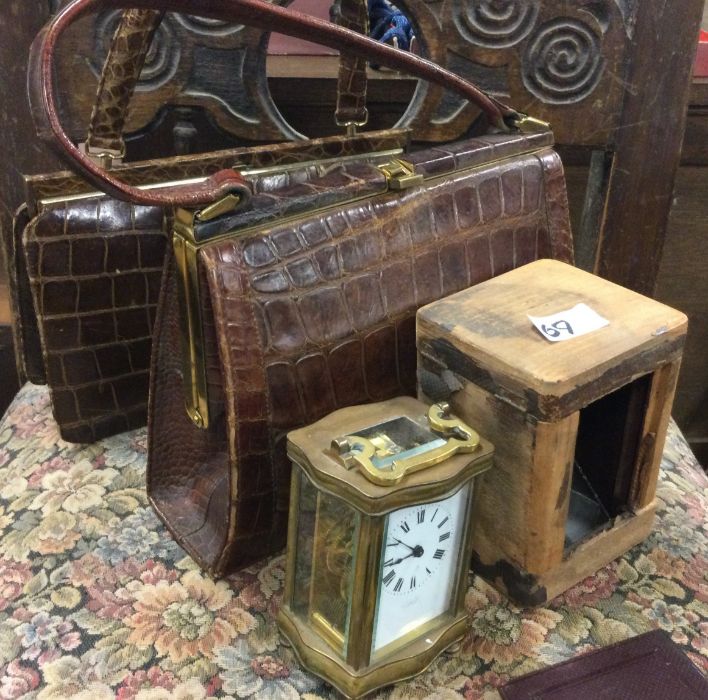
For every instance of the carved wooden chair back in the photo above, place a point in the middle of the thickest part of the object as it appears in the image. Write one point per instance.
(612, 77)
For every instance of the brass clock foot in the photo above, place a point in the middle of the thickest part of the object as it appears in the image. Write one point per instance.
(453, 649)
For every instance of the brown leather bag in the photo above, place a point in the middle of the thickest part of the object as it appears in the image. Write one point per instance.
(104, 138)
(284, 307)
(86, 269)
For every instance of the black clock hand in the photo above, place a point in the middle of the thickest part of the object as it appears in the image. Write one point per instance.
(404, 544)
(398, 561)
(416, 551)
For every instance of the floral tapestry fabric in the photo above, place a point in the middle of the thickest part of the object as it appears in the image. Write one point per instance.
(97, 601)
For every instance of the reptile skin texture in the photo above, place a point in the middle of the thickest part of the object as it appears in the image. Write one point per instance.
(28, 348)
(351, 82)
(304, 317)
(148, 172)
(120, 74)
(90, 271)
(94, 271)
(254, 13)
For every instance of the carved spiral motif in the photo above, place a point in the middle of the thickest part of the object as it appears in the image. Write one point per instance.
(206, 26)
(562, 62)
(161, 62)
(495, 24)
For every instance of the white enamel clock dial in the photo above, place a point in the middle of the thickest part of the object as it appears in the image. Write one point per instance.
(420, 557)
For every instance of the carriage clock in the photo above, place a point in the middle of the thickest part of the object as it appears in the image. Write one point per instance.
(379, 540)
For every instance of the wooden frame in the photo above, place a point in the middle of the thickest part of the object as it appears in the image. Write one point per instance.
(528, 396)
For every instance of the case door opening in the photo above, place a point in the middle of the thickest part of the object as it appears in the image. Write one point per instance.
(606, 452)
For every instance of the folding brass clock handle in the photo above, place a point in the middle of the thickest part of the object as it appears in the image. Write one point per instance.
(359, 451)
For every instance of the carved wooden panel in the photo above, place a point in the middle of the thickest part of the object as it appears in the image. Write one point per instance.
(557, 60)
(193, 61)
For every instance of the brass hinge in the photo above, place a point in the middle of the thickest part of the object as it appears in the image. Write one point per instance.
(191, 330)
(400, 174)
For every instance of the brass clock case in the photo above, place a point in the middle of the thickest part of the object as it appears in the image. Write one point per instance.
(333, 580)
(410, 661)
(312, 450)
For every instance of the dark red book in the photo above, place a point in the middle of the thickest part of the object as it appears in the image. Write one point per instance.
(700, 67)
(647, 667)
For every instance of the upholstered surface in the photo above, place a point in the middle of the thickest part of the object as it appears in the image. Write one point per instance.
(96, 601)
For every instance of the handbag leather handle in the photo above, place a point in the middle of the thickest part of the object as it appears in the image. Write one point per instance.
(119, 76)
(351, 79)
(126, 57)
(254, 13)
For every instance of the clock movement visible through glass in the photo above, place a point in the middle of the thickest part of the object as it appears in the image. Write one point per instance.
(325, 550)
(420, 559)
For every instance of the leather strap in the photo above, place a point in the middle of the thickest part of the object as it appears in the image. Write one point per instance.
(255, 13)
(119, 76)
(351, 82)
(126, 58)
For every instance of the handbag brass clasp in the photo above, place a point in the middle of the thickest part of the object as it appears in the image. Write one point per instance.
(219, 208)
(400, 174)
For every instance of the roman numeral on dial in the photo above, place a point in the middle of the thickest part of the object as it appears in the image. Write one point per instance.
(399, 585)
(405, 526)
(444, 536)
(389, 577)
(421, 516)
(438, 554)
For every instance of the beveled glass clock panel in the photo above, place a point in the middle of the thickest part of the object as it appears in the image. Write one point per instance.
(419, 566)
(398, 439)
(324, 564)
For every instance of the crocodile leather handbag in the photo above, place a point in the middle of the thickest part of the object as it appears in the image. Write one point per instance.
(278, 308)
(86, 269)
